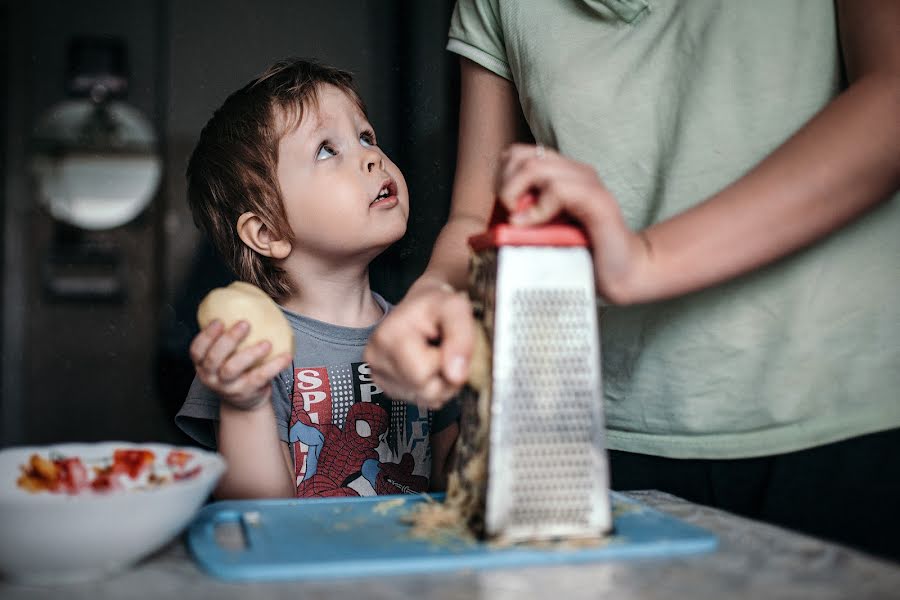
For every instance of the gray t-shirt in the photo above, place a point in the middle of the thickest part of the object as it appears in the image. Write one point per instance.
(346, 437)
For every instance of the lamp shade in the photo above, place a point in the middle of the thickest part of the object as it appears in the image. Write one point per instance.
(95, 164)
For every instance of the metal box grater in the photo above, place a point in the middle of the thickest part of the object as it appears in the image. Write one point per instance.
(547, 475)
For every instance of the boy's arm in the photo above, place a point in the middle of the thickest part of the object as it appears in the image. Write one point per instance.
(405, 361)
(259, 463)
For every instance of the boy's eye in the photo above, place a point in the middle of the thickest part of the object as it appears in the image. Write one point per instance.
(325, 152)
(367, 138)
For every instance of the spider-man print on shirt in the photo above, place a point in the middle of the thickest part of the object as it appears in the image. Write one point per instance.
(349, 439)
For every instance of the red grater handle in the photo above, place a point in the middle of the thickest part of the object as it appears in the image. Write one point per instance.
(500, 233)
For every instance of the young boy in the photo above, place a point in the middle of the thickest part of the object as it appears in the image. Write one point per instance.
(289, 184)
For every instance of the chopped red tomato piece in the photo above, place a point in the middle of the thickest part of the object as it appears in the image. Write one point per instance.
(59, 474)
(73, 476)
(132, 462)
(187, 474)
(104, 481)
(178, 458)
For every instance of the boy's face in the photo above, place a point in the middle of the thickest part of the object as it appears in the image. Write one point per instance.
(343, 197)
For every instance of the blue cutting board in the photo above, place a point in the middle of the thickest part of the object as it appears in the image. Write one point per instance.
(346, 537)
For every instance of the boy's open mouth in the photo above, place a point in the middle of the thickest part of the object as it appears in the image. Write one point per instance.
(387, 193)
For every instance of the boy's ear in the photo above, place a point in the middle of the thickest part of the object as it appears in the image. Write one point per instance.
(258, 236)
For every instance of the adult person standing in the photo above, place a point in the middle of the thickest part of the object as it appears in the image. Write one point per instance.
(735, 166)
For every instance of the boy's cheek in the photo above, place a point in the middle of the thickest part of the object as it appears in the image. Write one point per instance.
(406, 215)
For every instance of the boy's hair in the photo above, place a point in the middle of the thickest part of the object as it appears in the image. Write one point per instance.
(232, 169)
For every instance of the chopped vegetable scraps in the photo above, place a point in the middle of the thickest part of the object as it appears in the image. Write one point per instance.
(128, 468)
(133, 462)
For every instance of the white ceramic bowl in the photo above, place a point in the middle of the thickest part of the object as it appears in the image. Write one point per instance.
(58, 537)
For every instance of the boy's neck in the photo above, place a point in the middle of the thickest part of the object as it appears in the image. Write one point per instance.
(341, 298)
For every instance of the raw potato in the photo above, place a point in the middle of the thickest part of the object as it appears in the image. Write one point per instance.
(244, 301)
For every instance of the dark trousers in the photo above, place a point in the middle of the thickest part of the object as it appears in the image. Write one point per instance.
(847, 492)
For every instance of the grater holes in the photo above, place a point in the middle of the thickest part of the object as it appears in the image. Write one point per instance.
(550, 395)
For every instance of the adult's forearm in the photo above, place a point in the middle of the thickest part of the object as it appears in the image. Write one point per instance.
(489, 120)
(842, 163)
(450, 257)
(256, 463)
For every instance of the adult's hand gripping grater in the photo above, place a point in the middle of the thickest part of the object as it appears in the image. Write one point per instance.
(547, 477)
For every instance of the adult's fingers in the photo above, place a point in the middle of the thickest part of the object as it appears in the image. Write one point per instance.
(400, 352)
(454, 343)
(457, 338)
(517, 156)
(413, 366)
(435, 392)
(408, 353)
(537, 178)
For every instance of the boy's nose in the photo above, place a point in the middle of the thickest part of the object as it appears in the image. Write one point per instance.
(373, 160)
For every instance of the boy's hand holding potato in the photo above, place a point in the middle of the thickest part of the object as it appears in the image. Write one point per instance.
(244, 342)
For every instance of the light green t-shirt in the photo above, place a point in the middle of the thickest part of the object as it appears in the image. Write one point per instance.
(670, 102)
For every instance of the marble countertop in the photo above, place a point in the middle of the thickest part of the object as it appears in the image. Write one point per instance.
(753, 560)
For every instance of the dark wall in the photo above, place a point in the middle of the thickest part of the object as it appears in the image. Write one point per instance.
(91, 370)
(80, 372)
(4, 112)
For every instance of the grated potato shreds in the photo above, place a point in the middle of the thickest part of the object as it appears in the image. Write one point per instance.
(461, 515)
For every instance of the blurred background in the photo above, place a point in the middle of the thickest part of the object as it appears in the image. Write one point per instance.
(102, 266)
